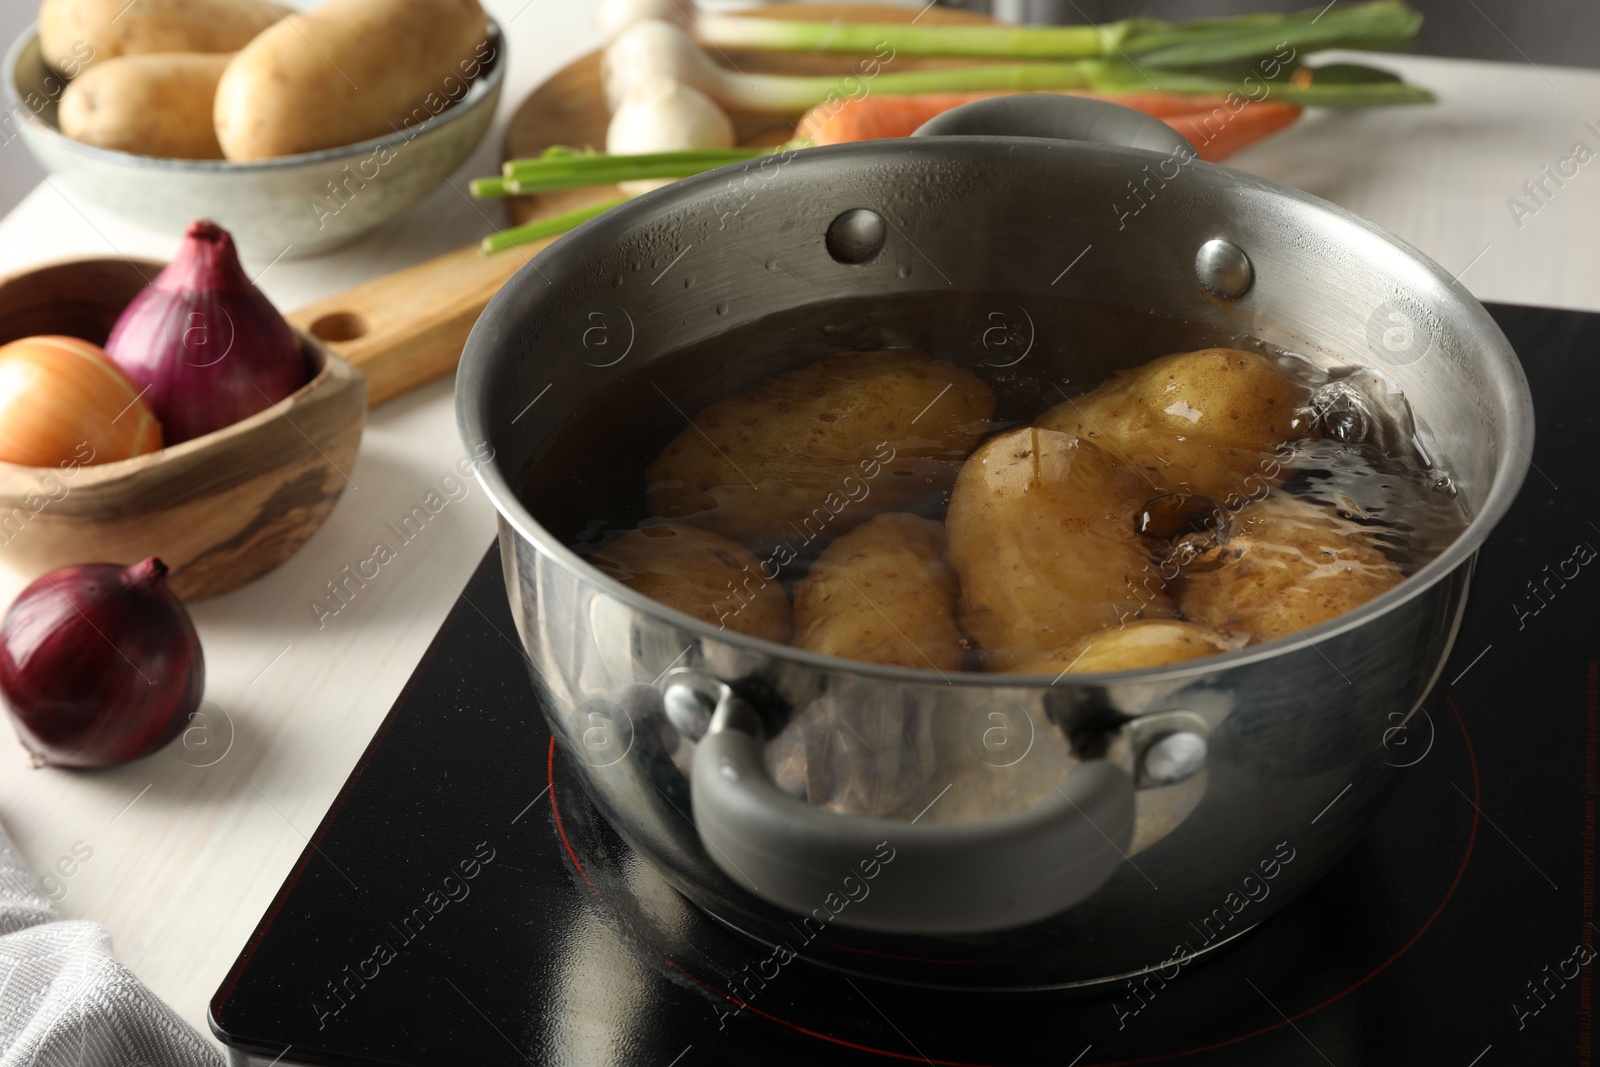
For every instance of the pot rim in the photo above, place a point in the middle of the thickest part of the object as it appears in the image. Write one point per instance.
(471, 423)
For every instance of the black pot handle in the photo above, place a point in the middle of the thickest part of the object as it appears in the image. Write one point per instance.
(1058, 117)
(896, 876)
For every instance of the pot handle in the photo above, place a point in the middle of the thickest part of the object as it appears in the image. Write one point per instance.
(895, 876)
(1058, 117)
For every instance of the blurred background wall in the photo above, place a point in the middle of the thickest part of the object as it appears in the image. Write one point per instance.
(18, 172)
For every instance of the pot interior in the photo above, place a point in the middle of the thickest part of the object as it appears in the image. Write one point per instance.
(1044, 265)
(1032, 354)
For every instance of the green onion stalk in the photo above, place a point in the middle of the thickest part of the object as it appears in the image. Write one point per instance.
(655, 49)
(550, 227)
(1375, 24)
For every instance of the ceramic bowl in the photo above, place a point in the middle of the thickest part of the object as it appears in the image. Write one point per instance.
(295, 205)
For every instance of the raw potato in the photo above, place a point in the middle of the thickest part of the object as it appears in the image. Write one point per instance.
(1145, 643)
(345, 72)
(802, 457)
(1298, 564)
(1041, 536)
(149, 105)
(75, 34)
(699, 574)
(884, 594)
(1202, 422)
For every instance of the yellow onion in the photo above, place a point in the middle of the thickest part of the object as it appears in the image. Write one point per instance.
(62, 399)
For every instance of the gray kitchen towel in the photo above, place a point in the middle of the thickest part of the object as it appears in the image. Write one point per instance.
(65, 1000)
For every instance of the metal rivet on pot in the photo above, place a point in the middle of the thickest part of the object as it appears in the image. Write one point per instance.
(689, 709)
(856, 235)
(1174, 758)
(1224, 269)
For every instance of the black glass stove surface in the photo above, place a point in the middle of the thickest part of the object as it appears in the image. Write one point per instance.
(462, 902)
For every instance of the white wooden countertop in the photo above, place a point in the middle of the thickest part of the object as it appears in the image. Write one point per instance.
(186, 859)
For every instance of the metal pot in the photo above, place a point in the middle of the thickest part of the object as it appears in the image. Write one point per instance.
(1154, 814)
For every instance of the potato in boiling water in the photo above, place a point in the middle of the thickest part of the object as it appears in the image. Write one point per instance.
(882, 593)
(1041, 535)
(699, 574)
(1295, 564)
(1205, 422)
(804, 456)
(1142, 643)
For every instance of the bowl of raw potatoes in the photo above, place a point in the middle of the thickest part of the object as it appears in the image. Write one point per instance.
(294, 130)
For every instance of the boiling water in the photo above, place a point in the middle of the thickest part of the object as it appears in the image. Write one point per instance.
(1364, 456)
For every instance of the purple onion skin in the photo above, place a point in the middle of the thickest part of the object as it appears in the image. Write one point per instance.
(99, 664)
(210, 347)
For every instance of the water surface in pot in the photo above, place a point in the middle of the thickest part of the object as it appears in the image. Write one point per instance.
(1363, 457)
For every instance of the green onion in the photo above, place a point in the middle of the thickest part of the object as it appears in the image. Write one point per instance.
(565, 168)
(1124, 76)
(1382, 24)
(552, 162)
(785, 35)
(489, 187)
(604, 170)
(651, 49)
(1378, 23)
(534, 231)
(1341, 85)
(520, 177)
(779, 94)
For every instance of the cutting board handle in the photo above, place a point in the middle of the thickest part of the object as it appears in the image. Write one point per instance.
(406, 329)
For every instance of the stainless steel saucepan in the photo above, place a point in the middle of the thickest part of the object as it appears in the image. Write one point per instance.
(1042, 833)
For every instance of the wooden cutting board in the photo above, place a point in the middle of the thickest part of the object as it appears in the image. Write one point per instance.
(570, 108)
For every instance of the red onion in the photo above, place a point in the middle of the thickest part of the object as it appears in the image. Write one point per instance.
(209, 346)
(99, 664)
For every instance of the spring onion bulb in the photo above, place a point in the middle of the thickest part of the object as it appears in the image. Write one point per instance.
(1374, 24)
(664, 115)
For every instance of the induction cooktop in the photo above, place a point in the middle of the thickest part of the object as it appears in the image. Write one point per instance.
(463, 902)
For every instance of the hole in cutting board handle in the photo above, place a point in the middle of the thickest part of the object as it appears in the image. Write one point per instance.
(339, 326)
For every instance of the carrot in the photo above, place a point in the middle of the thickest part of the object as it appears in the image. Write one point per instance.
(1207, 122)
(1218, 133)
(874, 118)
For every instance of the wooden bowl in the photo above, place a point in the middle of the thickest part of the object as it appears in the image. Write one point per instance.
(219, 509)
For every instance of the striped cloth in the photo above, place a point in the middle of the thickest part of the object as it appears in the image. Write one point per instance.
(65, 1000)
